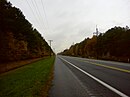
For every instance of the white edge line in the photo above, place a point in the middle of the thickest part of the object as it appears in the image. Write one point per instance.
(98, 80)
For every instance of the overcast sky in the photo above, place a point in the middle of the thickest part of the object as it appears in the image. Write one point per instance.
(71, 21)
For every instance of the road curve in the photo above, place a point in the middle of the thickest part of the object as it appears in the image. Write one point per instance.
(71, 82)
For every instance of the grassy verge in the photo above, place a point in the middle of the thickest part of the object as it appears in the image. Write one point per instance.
(4, 67)
(27, 81)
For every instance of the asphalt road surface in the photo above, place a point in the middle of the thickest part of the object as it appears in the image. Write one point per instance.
(81, 77)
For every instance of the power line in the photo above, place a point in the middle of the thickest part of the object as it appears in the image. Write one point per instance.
(36, 13)
(32, 10)
(36, 9)
(45, 14)
(39, 13)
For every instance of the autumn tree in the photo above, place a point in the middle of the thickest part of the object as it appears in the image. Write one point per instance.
(18, 39)
(114, 44)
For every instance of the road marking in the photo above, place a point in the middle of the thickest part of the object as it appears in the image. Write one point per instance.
(110, 67)
(98, 80)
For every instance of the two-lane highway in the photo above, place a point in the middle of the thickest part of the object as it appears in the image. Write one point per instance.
(81, 77)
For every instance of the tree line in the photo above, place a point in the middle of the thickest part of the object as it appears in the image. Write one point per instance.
(18, 39)
(114, 44)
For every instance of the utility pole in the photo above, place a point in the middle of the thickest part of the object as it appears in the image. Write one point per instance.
(54, 51)
(96, 34)
(50, 46)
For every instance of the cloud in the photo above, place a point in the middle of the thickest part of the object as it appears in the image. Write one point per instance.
(73, 20)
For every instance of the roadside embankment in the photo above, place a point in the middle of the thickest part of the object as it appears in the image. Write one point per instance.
(32, 80)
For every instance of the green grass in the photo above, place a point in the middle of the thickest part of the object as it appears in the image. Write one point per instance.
(26, 81)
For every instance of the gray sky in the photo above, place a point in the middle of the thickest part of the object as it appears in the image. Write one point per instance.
(68, 21)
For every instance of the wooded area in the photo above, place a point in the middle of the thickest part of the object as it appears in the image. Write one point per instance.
(114, 44)
(18, 39)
